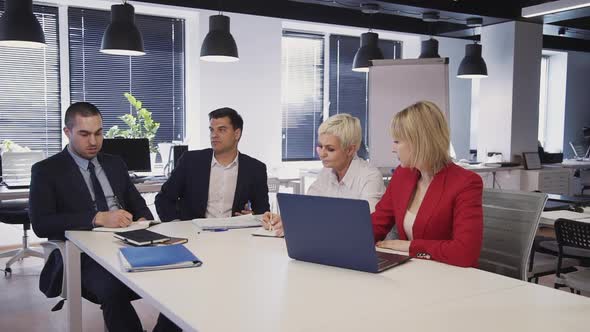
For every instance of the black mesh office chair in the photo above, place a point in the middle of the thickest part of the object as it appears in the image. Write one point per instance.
(15, 212)
(573, 238)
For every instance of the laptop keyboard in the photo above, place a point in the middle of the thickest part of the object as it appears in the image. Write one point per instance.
(384, 261)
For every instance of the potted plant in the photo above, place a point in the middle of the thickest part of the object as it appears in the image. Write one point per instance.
(140, 123)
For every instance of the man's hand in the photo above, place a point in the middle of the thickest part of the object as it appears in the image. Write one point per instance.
(113, 219)
(246, 210)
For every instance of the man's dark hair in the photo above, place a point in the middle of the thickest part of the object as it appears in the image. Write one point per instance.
(82, 109)
(234, 118)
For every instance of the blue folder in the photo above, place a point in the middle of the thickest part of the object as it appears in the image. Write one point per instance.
(157, 258)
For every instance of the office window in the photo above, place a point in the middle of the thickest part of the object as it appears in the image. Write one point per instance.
(157, 78)
(348, 89)
(543, 100)
(302, 94)
(30, 110)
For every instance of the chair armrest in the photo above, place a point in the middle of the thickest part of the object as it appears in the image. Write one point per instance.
(51, 245)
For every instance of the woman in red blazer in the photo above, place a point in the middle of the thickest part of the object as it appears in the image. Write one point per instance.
(435, 204)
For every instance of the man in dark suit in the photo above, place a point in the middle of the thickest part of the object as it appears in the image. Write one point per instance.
(79, 189)
(216, 182)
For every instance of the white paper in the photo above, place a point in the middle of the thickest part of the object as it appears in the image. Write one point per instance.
(143, 224)
(243, 221)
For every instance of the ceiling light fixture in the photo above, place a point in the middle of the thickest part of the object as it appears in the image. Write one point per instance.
(553, 7)
(219, 45)
(369, 47)
(473, 65)
(19, 27)
(429, 49)
(122, 37)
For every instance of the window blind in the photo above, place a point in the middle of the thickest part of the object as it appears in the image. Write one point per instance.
(157, 78)
(302, 94)
(30, 110)
(348, 89)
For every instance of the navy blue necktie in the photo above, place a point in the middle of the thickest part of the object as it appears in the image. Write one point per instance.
(99, 198)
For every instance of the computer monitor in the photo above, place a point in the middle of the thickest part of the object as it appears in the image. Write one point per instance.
(134, 151)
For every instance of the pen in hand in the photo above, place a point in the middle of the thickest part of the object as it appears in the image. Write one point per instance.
(271, 224)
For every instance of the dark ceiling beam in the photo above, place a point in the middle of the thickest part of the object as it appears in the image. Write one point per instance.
(308, 12)
(566, 44)
(312, 12)
(566, 16)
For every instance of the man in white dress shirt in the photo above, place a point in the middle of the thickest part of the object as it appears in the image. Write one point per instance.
(216, 182)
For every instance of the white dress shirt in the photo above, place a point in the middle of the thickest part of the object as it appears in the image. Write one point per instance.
(222, 188)
(361, 181)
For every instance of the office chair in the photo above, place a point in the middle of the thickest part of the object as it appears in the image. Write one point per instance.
(15, 212)
(511, 219)
(573, 235)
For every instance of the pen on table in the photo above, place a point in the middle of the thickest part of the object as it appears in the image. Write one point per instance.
(216, 230)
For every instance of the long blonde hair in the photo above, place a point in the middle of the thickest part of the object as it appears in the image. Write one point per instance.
(425, 128)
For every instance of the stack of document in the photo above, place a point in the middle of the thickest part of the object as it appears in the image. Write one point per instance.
(136, 259)
(244, 221)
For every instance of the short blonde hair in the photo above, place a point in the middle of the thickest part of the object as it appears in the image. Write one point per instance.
(424, 127)
(344, 126)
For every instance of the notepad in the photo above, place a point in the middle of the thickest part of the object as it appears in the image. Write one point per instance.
(137, 259)
(244, 221)
(143, 224)
(141, 237)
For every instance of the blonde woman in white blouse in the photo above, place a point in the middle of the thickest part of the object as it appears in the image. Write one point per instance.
(344, 175)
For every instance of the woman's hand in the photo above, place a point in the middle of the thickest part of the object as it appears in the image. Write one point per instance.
(399, 245)
(272, 221)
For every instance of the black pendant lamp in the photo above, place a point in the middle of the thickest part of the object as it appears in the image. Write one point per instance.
(19, 26)
(429, 49)
(369, 50)
(122, 37)
(219, 45)
(473, 65)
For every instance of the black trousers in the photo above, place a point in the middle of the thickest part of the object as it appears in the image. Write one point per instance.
(101, 287)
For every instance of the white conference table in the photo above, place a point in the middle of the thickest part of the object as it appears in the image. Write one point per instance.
(249, 283)
(548, 217)
(9, 194)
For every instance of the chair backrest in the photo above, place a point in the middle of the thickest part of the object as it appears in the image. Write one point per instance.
(572, 233)
(511, 219)
(273, 185)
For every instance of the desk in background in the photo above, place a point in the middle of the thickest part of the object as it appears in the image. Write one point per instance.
(8, 194)
(249, 283)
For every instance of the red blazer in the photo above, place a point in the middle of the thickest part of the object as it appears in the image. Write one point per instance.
(449, 223)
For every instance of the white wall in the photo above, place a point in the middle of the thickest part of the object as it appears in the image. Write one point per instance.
(509, 110)
(252, 86)
(459, 95)
(496, 90)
